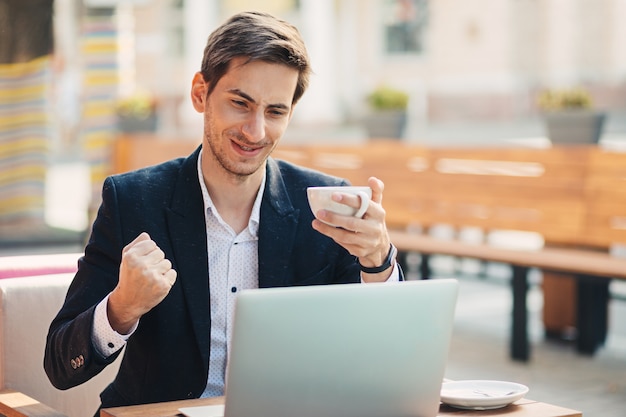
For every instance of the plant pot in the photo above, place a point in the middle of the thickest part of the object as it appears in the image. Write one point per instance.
(576, 127)
(386, 124)
(134, 124)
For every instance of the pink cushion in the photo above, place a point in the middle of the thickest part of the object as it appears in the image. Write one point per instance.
(30, 265)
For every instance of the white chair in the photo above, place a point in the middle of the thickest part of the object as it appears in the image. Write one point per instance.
(27, 306)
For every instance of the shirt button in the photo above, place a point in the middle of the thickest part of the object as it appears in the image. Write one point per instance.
(111, 345)
(233, 289)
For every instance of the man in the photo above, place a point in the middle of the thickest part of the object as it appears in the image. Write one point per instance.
(173, 244)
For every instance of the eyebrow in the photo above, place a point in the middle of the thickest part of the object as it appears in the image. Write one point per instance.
(241, 94)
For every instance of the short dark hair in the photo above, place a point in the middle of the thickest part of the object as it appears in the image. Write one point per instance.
(259, 37)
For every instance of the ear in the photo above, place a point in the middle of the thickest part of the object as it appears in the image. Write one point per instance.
(198, 92)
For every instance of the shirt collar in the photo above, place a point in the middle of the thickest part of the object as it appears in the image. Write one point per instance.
(253, 222)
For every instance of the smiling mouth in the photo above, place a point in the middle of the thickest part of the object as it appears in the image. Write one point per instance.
(247, 148)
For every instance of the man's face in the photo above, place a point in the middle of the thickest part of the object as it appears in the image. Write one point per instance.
(245, 115)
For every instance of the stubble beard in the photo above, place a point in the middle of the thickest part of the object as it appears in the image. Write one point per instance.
(234, 169)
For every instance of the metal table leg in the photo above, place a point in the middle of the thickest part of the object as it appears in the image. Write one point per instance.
(592, 322)
(520, 346)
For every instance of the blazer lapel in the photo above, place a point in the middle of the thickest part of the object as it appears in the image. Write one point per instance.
(187, 231)
(277, 230)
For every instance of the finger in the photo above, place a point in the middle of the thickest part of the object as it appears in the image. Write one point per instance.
(170, 276)
(377, 187)
(143, 236)
(164, 265)
(351, 200)
(343, 233)
(153, 255)
(329, 220)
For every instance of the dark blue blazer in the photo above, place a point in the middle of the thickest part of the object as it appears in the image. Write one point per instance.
(167, 358)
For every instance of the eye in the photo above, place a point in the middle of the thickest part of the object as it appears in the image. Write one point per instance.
(239, 103)
(276, 112)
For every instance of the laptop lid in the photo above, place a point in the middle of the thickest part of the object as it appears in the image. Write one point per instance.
(361, 350)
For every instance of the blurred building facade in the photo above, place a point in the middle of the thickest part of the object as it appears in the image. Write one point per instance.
(459, 60)
(26, 125)
(470, 59)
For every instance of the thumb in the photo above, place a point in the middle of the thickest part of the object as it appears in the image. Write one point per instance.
(377, 187)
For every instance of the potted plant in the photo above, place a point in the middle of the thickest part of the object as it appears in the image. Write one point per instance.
(570, 118)
(387, 116)
(137, 113)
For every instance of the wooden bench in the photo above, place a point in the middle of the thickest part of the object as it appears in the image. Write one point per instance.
(143, 149)
(573, 197)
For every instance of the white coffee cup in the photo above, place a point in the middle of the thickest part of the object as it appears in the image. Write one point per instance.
(320, 198)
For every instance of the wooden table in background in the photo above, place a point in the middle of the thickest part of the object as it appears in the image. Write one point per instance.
(521, 408)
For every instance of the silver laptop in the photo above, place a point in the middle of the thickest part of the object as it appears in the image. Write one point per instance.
(361, 350)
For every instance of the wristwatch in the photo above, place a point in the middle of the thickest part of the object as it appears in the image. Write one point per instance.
(391, 256)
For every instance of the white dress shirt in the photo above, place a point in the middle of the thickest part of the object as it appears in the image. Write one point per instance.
(233, 266)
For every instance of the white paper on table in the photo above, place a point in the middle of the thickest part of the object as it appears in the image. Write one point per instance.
(203, 411)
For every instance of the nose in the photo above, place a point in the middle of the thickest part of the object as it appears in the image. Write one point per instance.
(254, 127)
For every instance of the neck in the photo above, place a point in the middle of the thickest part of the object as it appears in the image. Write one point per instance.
(232, 195)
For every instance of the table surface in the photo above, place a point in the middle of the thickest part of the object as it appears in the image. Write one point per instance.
(17, 404)
(521, 408)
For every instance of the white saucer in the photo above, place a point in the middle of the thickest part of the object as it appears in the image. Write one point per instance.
(480, 394)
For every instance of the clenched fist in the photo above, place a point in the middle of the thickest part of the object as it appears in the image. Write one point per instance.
(146, 278)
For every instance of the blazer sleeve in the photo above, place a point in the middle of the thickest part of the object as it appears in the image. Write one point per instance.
(70, 358)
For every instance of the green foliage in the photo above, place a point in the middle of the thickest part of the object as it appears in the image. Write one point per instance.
(387, 98)
(575, 98)
(139, 106)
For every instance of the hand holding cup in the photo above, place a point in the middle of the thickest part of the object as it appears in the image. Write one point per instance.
(321, 198)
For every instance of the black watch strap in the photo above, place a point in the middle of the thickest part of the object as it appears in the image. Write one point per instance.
(386, 264)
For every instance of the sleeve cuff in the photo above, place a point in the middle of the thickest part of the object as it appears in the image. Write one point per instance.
(106, 340)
